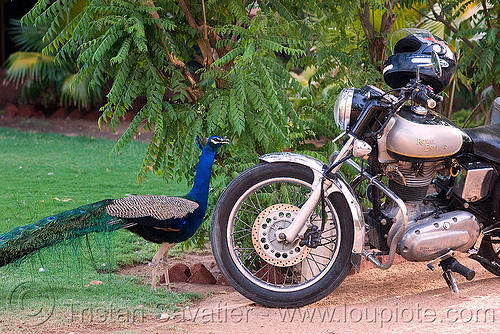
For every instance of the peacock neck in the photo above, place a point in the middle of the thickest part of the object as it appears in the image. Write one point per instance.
(201, 184)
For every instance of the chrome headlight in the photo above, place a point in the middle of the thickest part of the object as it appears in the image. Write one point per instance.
(342, 110)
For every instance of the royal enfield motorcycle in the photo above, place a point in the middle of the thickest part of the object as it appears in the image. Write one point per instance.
(286, 232)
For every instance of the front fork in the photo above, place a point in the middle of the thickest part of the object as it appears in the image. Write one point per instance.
(300, 223)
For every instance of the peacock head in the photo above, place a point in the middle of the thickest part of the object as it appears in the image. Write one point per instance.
(212, 143)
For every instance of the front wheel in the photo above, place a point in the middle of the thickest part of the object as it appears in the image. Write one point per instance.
(259, 202)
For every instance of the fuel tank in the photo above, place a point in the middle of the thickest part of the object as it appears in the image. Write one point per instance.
(417, 134)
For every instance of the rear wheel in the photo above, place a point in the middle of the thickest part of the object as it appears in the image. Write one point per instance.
(490, 250)
(258, 203)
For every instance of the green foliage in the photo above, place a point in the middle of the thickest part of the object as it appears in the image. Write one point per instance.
(42, 80)
(472, 29)
(230, 68)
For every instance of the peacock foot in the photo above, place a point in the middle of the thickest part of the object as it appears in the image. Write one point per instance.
(158, 269)
(159, 265)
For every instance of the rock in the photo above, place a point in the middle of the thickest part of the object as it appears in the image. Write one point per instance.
(26, 110)
(60, 113)
(10, 110)
(179, 272)
(75, 114)
(195, 267)
(129, 116)
(92, 115)
(39, 114)
(202, 276)
(222, 281)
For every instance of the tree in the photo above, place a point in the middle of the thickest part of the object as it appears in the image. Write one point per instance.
(224, 67)
(474, 29)
(204, 68)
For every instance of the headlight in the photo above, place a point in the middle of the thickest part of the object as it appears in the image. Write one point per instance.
(351, 102)
(342, 110)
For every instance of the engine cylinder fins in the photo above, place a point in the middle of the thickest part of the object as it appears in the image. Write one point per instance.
(410, 181)
(408, 194)
(412, 174)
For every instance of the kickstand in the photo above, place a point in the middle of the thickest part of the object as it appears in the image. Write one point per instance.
(450, 280)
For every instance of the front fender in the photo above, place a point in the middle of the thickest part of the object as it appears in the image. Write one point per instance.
(338, 185)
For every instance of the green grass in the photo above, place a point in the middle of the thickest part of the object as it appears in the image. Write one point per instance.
(43, 174)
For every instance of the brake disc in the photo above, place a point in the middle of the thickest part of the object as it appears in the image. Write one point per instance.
(266, 226)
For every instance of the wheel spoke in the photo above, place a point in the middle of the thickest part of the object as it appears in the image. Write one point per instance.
(275, 203)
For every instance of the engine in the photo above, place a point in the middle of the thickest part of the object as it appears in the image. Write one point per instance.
(430, 233)
(410, 150)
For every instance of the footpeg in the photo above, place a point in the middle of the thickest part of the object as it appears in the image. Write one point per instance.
(451, 265)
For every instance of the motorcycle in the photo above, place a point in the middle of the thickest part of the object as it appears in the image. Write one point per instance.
(286, 232)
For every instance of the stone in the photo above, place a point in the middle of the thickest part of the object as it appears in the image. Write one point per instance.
(179, 272)
(39, 114)
(10, 110)
(92, 115)
(222, 281)
(202, 276)
(129, 116)
(60, 113)
(26, 110)
(195, 267)
(75, 114)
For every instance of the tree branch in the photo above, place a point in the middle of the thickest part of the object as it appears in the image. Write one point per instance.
(377, 40)
(193, 93)
(440, 18)
(486, 13)
(364, 15)
(203, 43)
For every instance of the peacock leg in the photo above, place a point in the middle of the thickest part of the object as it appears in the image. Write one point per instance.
(159, 265)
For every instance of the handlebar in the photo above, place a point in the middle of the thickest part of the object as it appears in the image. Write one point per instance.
(424, 95)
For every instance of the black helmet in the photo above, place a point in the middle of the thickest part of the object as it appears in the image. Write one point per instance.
(414, 47)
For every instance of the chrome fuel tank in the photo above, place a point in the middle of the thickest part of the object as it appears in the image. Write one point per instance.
(419, 135)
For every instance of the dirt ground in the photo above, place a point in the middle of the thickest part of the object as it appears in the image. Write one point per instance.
(406, 298)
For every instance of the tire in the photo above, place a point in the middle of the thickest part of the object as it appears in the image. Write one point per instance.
(490, 249)
(254, 205)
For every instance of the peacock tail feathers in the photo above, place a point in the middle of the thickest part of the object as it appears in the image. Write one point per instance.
(24, 240)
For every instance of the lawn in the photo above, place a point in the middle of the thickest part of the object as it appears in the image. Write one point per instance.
(43, 174)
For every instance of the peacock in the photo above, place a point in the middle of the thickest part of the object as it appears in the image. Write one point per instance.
(159, 219)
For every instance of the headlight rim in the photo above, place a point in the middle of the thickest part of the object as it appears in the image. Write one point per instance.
(343, 108)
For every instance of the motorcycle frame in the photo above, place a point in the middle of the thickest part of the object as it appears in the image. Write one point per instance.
(327, 181)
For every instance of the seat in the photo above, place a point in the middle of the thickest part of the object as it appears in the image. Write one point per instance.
(486, 141)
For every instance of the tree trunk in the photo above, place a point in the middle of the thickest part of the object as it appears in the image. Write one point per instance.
(377, 40)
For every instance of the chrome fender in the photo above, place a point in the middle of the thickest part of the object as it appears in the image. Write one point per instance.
(338, 185)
